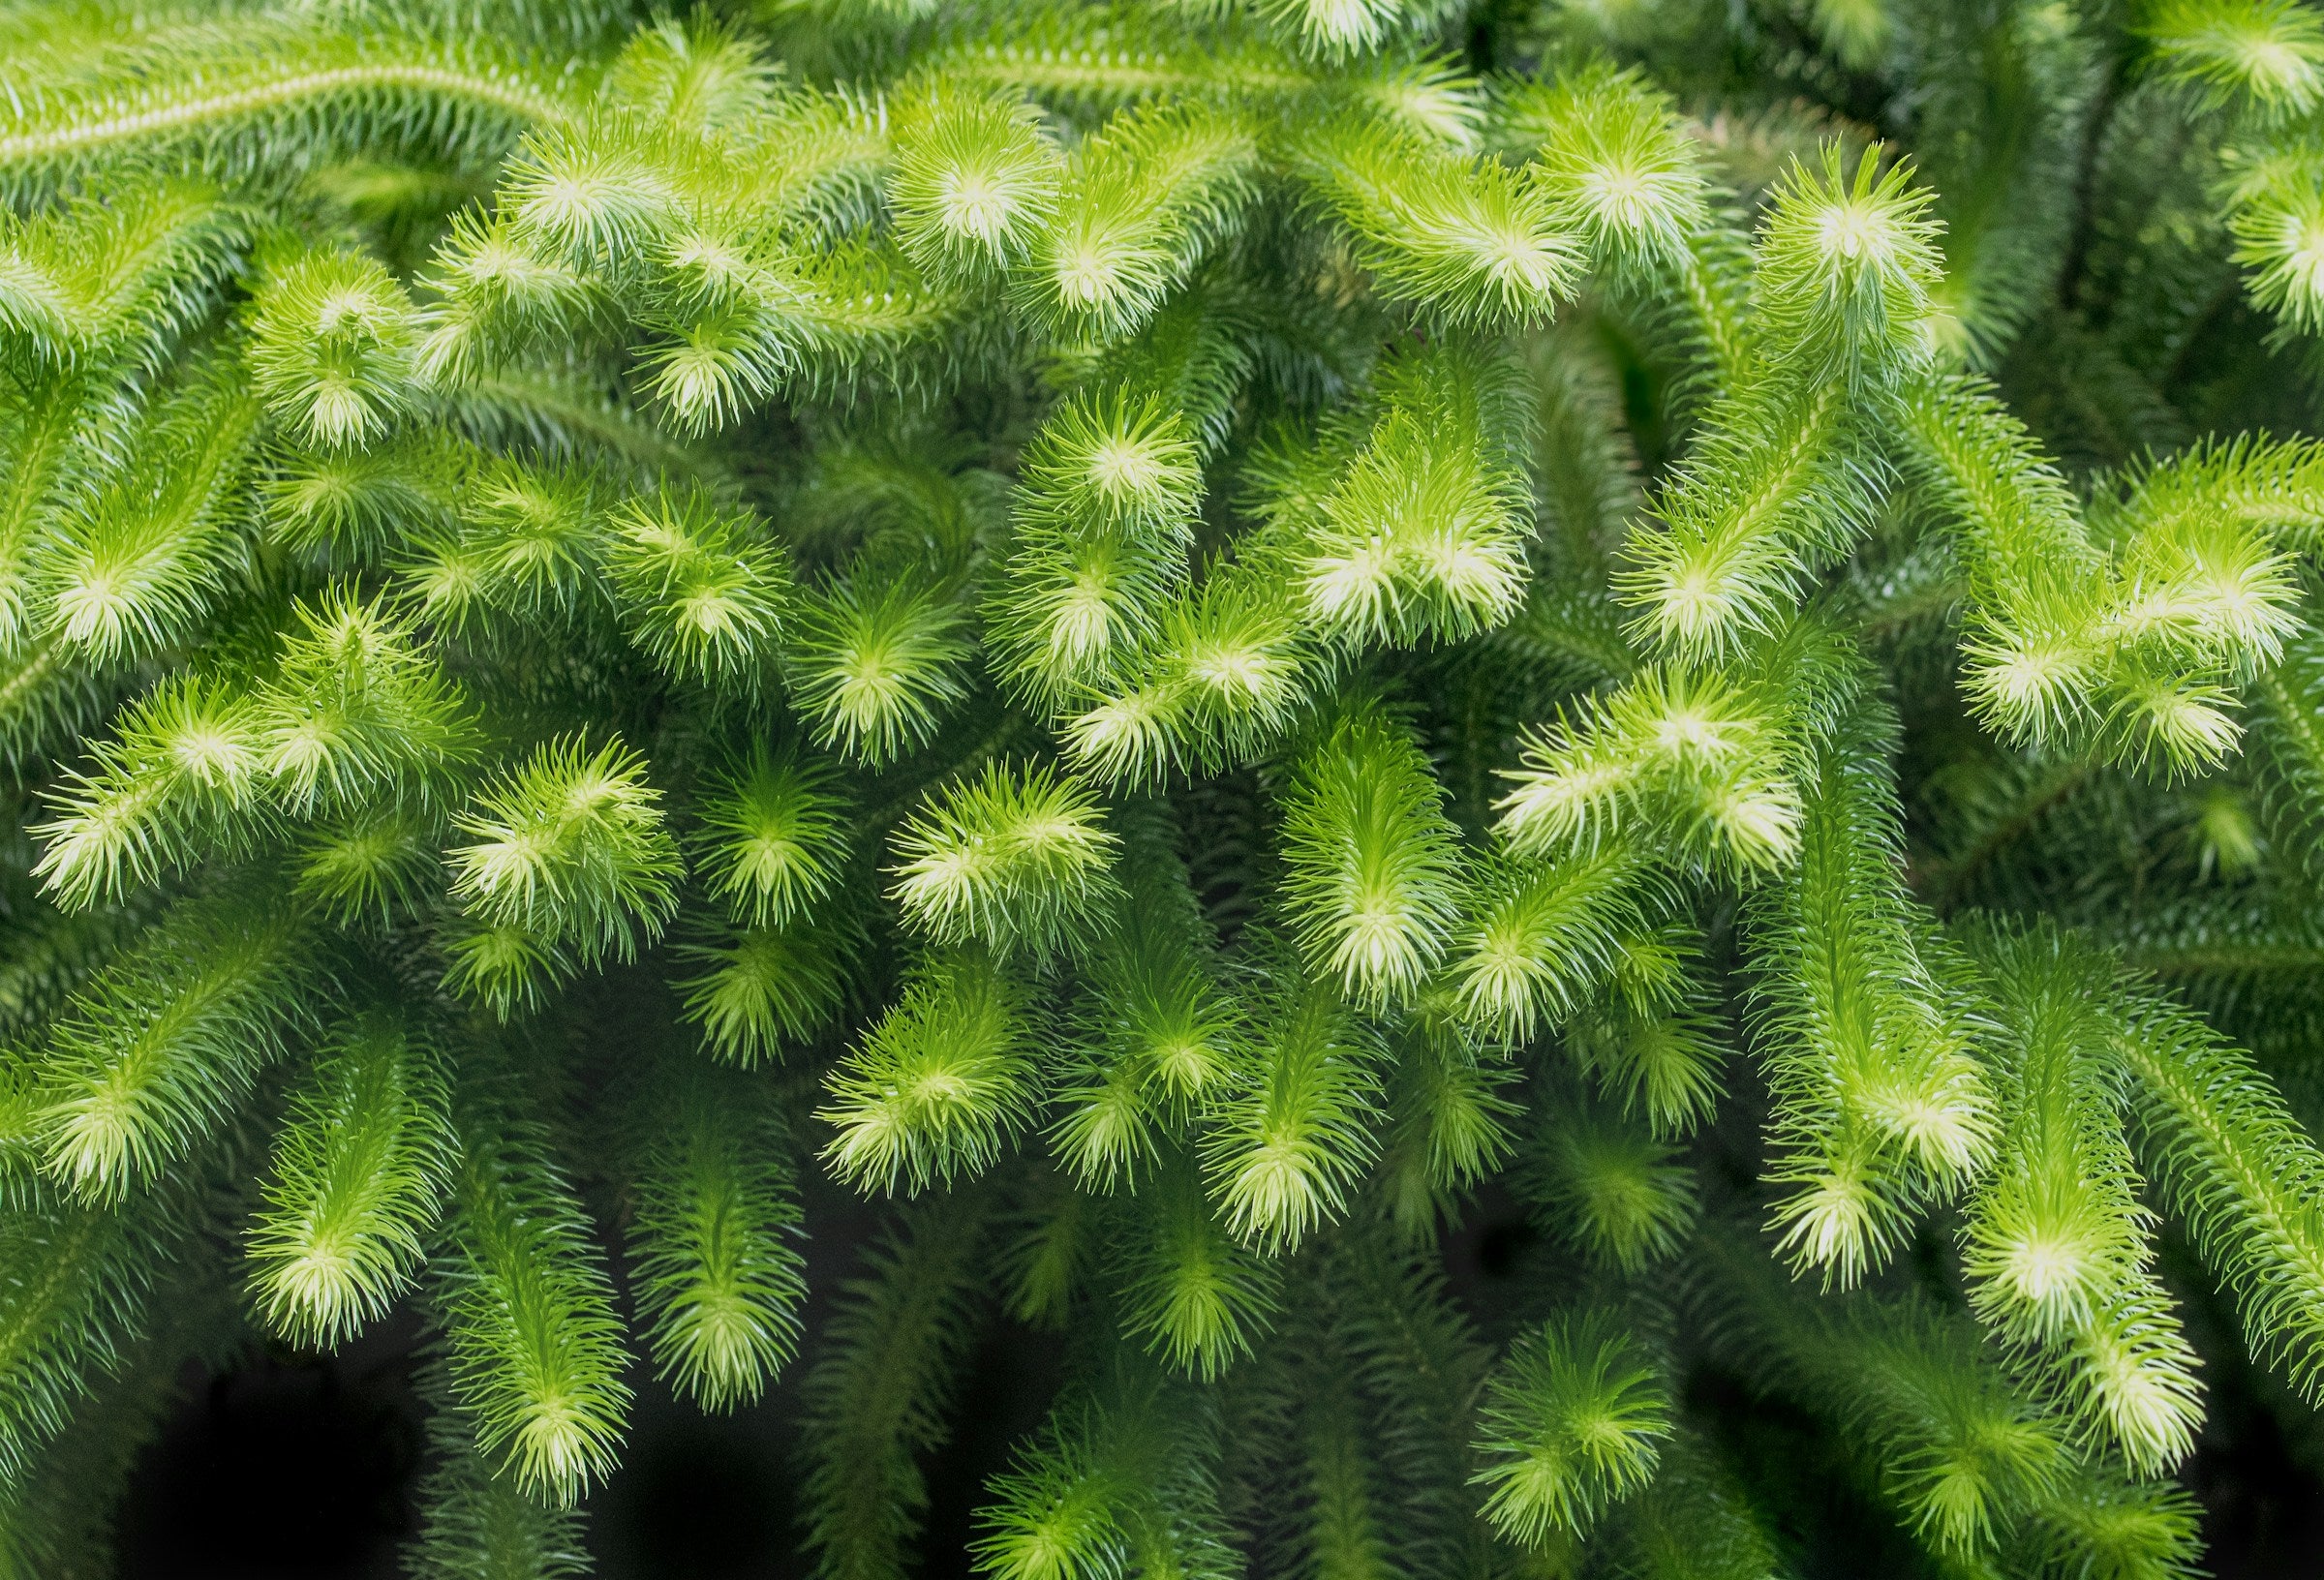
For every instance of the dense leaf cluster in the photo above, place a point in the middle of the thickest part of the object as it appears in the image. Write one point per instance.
(1186, 644)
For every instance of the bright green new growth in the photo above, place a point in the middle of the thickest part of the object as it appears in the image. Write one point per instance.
(1012, 859)
(718, 1276)
(1287, 1147)
(533, 1342)
(1570, 1426)
(773, 842)
(698, 590)
(933, 1089)
(565, 859)
(1372, 867)
(358, 1182)
(157, 1051)
(331, 349)
(1473, 755)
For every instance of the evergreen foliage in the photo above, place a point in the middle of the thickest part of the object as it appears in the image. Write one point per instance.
(735, 702)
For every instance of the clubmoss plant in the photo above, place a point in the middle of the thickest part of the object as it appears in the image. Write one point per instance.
(752, 703)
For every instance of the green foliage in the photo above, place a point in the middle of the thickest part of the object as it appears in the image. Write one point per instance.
(1466, 756)
(1287, 1146)
(156, 1053)
(480, 1525)
(933, 1090)
(1570, 1426)
(533, 1343)
(717, 1275)
(771, 841)
(1372, 868)
(1126, 1481)
(876, 1399)
(566, 859)
(359, 1177)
